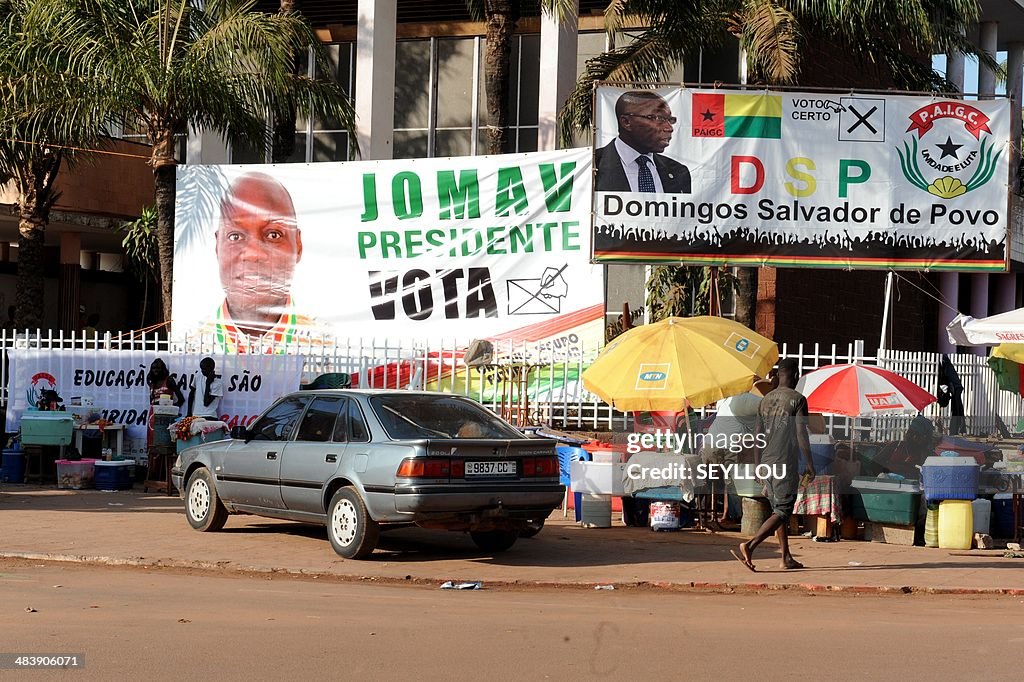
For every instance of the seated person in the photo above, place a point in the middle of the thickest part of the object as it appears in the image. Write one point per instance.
(904, 456)
(471, 429)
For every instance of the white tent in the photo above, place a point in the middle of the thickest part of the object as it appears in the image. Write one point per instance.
(1006, 327)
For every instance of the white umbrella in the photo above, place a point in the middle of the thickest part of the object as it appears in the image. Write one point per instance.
(861, 391)
(1006, 327)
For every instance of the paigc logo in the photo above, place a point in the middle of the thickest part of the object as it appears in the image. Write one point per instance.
(957, 166)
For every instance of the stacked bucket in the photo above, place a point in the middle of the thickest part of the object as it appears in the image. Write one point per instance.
(951, 483)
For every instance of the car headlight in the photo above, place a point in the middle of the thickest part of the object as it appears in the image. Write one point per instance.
(177, 463)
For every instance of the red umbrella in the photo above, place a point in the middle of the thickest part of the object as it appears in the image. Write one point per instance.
(861, 391)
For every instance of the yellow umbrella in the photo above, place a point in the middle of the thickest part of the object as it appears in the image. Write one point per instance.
(678, 361)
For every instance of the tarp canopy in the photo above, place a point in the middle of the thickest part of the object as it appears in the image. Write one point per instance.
(1006, 327)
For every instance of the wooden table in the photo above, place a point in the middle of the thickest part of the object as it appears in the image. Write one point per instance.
(117, 429)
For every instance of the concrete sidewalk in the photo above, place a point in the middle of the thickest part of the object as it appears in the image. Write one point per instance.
(133, 528)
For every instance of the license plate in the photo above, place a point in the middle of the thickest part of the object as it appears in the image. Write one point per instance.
(504, 468)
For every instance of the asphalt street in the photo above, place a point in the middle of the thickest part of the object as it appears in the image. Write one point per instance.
(153, 623)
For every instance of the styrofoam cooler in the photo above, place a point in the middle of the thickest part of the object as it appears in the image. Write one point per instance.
(950, 478)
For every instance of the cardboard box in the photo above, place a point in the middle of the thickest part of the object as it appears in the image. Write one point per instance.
(888, 533)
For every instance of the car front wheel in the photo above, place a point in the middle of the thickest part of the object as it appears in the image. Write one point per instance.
(352, 532)
(494, 540)
(203, 508)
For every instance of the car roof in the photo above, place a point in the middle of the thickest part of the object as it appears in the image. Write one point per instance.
(375, 391)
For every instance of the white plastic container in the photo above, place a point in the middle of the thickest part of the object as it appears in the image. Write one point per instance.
(982, 510)
(596, 511)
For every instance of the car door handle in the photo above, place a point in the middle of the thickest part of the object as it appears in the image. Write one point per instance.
(271, 455)
(331, 458)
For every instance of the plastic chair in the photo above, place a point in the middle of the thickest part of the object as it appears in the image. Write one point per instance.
(567, 454)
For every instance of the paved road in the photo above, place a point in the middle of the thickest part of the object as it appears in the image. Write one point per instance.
(134, 623)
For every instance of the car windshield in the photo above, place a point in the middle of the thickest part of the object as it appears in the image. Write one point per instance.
(437, 416)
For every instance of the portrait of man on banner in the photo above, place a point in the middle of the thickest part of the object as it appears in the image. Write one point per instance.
(258, 244)
(633, 161)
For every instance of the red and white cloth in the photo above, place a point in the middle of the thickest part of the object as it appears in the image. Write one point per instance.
(820, 497)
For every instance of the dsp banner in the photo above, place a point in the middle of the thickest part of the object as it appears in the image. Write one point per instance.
(115, 382)
(268, 258)
(726, 177)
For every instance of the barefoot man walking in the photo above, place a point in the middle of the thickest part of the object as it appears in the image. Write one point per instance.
(782, 418)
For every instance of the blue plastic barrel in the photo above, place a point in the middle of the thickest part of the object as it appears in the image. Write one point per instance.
(13, 466)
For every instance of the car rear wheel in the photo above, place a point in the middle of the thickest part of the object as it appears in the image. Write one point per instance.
(494, 540)
(532, 528)
(352, 532)
(203, 508)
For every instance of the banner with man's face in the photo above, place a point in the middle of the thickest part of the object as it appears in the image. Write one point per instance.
(433, 249)
(755, 177)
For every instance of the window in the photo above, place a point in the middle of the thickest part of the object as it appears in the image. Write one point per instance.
(441, 100)
(315, 139)
(279, 422)
(358, 433)
(318, 424)
(442, 416)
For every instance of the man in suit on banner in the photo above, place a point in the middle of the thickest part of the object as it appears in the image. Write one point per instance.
(633, 162)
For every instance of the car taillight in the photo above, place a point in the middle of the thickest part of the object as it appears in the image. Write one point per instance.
(425, 467)
(540, 467)
(458, 468)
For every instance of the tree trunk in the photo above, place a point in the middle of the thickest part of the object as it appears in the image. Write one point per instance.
(165, 236)
(161, 134)
(30, 283)
(502, 16)
(35, 198)
(283, 145)
(746, 296)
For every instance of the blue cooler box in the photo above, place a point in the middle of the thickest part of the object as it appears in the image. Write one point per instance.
(949, 478)
(46, 428)
(220, 434)
(117, 475)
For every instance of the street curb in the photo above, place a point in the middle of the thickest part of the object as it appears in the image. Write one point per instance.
(667, 586)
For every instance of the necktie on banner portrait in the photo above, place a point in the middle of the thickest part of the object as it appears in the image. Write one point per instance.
(645, 181)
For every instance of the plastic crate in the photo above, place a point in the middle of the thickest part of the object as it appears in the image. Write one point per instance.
(882, 501)
(46, 428)
(950, 478)
(75, 475)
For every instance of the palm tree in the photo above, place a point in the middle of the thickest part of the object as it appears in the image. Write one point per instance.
(892, 40)
(139, 244)
(41, 122)
(168, 65)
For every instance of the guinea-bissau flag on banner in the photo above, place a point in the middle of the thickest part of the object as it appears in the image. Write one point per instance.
(737, 115)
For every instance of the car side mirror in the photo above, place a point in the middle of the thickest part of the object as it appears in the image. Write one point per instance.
(240, 433)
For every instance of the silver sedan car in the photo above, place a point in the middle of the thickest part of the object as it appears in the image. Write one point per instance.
(363, 461)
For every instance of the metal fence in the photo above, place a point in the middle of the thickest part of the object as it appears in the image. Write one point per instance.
(529, 383)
